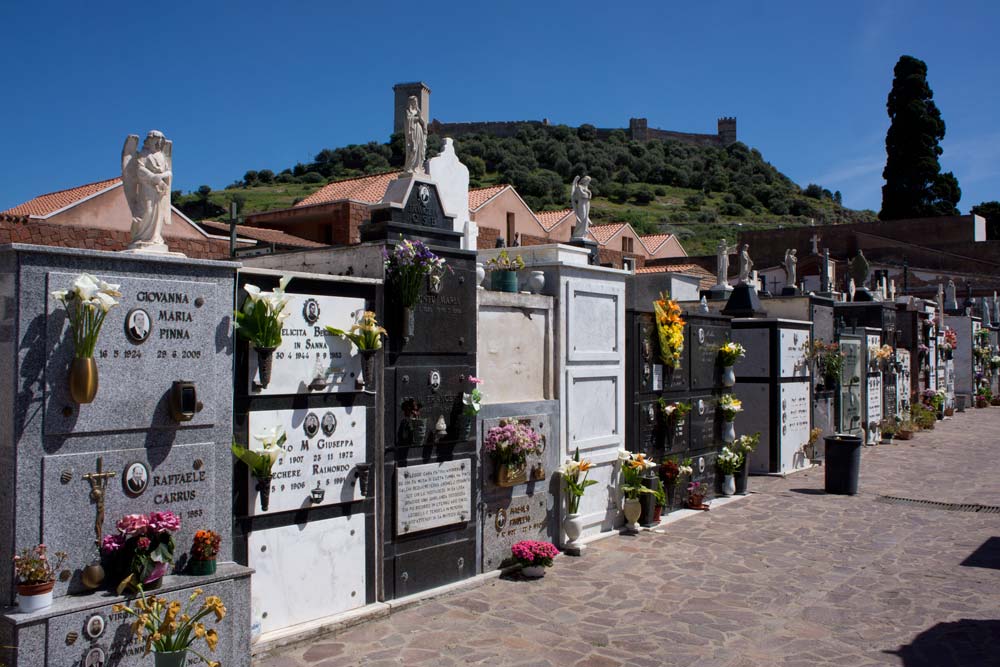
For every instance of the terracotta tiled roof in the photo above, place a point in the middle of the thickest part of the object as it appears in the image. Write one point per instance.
(43, 205)
(480, 196)
(654, 241)
(603, 233)
(368, 189)
(260, 234)
(707, 277)
(549, 219)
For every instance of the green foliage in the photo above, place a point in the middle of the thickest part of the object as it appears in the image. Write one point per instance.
(914, 185)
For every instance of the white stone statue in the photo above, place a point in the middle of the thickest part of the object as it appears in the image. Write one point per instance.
(996, 308)
(892, 289)
(951, 297)
(580, 200)
(746, 264)
(852, 288)
(416, 138)
(146, 179)
(722, 253)
(985, 308)
(790, 264)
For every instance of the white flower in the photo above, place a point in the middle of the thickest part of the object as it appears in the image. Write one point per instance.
(669, 409)
(470, 401)
(570, 468)
(684, 470)
(647, 464)
(105, 301)
(110, 289)
(85, 286)
(60, 294)
(624, 455)
(253, 291)
(271, 437)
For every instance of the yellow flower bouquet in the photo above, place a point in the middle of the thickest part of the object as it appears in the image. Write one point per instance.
(168, 626)
(670, 330)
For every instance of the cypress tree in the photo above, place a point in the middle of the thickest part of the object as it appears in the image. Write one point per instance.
(914, 185)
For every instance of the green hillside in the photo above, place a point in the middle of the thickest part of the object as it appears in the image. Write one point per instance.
(700, 193)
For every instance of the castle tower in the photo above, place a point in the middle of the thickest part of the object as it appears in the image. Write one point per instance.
(638, 129)
(403, 92)
(727, 130)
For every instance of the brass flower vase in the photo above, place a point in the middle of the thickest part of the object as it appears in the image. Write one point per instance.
(83, 379)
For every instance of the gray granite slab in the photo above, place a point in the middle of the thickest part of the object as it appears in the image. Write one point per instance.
(507, 521)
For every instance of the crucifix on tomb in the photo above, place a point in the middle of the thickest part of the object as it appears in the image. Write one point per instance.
(815, 243)
(98, 485)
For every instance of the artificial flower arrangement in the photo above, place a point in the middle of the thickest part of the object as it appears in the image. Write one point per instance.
(509, 444)
(531, 553)
(730, 406)
(995, 362)
(669, 329)
(674, 410)
(575, 486)
(933, 399)
(168, 626)
(730, 353)
(141, 550)
(884, 353)
(746, 444)
(729, 461)
(407, 266)
(259, 321)
(365, 333)
(35, 575)
(504, 262)
(87, 304)
(950, 342)
(261, 461)
(204, 549)
(828, 358)
(696, 492)
(473, 399)
(633, 467)
(671, 470)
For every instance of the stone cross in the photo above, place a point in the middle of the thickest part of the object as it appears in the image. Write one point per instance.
(815, 242)
(98, 485)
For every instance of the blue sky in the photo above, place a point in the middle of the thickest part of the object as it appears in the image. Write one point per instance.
(254, 85)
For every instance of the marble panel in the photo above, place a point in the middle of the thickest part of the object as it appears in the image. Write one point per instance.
(432, 495)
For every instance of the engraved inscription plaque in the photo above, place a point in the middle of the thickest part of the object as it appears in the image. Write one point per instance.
(433, 495)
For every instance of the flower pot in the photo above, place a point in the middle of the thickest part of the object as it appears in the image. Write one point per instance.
(265, 359)
(533, 571)
(728, 376)
(632, 510)
(416, 428)
(536, 281)
(83, 379)
(201, 568)
(657, 513)
(503, 281)
(904, 435)
(264, 491)
(728, 432)
(509, 474)
(480, 275)
(409, 323)
(34, 597)
(367, 381)
(728, 485)
(742, 478)
(170, 658)
(572, 525)
(949, 412)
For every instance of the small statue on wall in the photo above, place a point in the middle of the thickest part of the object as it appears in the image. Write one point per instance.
(147, 175)
(790, 264)
(580, 199)
(416, 138)
(746, 264)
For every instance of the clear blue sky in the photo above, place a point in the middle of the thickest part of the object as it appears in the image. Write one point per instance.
(254, 85)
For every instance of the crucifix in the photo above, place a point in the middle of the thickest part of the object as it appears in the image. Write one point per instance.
(98, 485)
(815, 243)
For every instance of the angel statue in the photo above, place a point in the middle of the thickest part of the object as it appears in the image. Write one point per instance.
(416, 138)
(580, 199)
(722, 253)
(146, 177)
(746, 264)
(790, 264)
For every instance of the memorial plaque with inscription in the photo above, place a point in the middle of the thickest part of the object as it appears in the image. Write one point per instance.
(163, 331)
(433, 495)
(851, 410)
(310, 360)
(319, 465)
(652, 375)
(795, 422)
(439, 391)
(792, 352)
(873, 412)
(705, 341)
(444, 320)
(702, 421)
(504, 522)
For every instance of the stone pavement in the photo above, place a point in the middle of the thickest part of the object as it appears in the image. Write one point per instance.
(788, 576)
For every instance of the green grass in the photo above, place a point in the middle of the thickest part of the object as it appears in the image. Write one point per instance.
(260, 198)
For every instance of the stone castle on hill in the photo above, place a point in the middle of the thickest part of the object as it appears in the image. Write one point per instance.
(638, 128)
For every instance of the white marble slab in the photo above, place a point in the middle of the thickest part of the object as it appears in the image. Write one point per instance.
(593, 312)
(307, 571)
(323, 448)
(873, 410)
(795, 421)
(432, 495)
(307, 351)
(791, 346)
(593, 422)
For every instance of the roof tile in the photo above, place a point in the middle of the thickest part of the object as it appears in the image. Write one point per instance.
(49, 203)
(262, 234)
(549, 219)
(603, 233)
(479, 196)
(368, 189)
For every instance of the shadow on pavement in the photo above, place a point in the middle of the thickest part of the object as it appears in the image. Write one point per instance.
(809, 492)
(964, 643)
(987, 555)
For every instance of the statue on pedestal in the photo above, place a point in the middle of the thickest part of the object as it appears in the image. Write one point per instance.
(146, 178)
(852, 289)
(824, 278)
(746, 264)
(951, 296)
(580, 199)
(985, 308)
(859, 270)
(416, 138)
(722, 253)
(790, 264)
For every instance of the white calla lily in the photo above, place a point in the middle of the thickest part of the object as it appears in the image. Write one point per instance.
(253, 291)
(85, 286)
(60, 295)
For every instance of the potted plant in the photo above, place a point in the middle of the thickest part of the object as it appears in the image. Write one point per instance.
(728, 462)
(729, 354)
(534, 557)
(660, 493)
(670, 331)
(509, 444)
(366, 335)
(406, 267)
(744, 446)
(259, 321)
(633, 468)
(504, 268)
(575, 486)
(204, 549)
(906, 429)
(261, 461)
(36, 577)
(141, 550)
(87, 304)
(169, 628)
(472, 402)
(730, 406)
(696, 492)
(414, 426)
(983, 396)
(827, 359)
(889, 428)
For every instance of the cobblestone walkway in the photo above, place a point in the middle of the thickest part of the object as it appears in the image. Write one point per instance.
(789, 576)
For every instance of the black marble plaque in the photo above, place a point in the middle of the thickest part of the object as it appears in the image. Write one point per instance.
(650, 372)
(438, 389)
(703, 422)
(444, 320)
(705, 341)
(435, 566)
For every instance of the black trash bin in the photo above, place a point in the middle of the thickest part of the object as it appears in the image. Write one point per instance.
(843, 463)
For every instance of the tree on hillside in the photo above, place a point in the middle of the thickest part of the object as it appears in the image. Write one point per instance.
(914, 185)
(991, 211)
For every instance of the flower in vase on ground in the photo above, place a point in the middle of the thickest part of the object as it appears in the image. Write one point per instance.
(729, 461)
(530, 552)
(746, 444)
(575, 486)
(672, 471)
(730, 406)
(633, 467)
